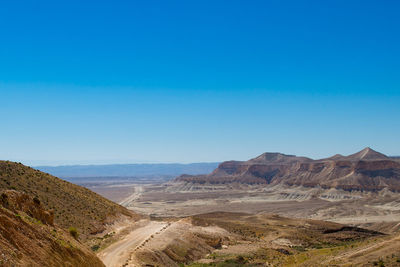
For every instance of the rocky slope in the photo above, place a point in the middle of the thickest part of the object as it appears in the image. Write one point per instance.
(366, 170)
(72, 205)
(28, 236)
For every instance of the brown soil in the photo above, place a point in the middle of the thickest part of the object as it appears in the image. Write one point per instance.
(73, 206)
(29, 238)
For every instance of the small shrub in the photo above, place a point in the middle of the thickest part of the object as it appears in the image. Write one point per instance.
(36, 200)
(95, 248)
(317, 246)
(241, 259)
(379, 263)
(299, 248)
(73, 232)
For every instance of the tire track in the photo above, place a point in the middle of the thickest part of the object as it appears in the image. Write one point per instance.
(119, 253)
(142, 245)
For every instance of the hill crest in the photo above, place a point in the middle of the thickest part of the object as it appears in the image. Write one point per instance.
(368, 154)
(73, 205)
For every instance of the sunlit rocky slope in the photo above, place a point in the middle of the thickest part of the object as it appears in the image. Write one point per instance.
(72, 205)
(29, 237)
(45, 221)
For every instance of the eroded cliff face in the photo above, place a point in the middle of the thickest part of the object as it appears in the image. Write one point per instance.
(28, 236)
(366, 170)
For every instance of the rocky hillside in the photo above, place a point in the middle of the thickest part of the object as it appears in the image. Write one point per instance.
(71, 205)
(366, 170)
(28, 236)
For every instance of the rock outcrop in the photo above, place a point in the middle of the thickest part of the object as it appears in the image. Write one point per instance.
(20, 202)
(29, 238)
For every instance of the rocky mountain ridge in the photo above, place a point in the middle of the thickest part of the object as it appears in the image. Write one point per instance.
(366, 170)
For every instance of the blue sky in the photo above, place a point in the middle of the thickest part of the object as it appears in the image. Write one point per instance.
(189, 81)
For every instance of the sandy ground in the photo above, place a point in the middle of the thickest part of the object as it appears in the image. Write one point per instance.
(120, 252)
(138, 190)
(116, 193)
(365, 210)
(374, 211)
(150, 235)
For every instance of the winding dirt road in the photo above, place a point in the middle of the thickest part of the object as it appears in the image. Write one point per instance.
(119, 253)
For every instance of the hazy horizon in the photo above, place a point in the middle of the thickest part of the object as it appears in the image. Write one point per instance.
(197, 81)
(55, 163)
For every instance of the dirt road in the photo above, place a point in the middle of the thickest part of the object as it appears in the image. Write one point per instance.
(119, 253)
(362, 252)
(134, 196)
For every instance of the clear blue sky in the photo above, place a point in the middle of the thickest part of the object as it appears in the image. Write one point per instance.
(189, 81)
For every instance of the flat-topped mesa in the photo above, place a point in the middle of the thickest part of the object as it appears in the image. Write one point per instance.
(366, 170)
(278, 158)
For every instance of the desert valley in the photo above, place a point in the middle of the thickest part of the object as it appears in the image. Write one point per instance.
(272, 210)
(199, 133)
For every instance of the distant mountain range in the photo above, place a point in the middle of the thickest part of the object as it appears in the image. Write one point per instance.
(367, 170)
(129, 170)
